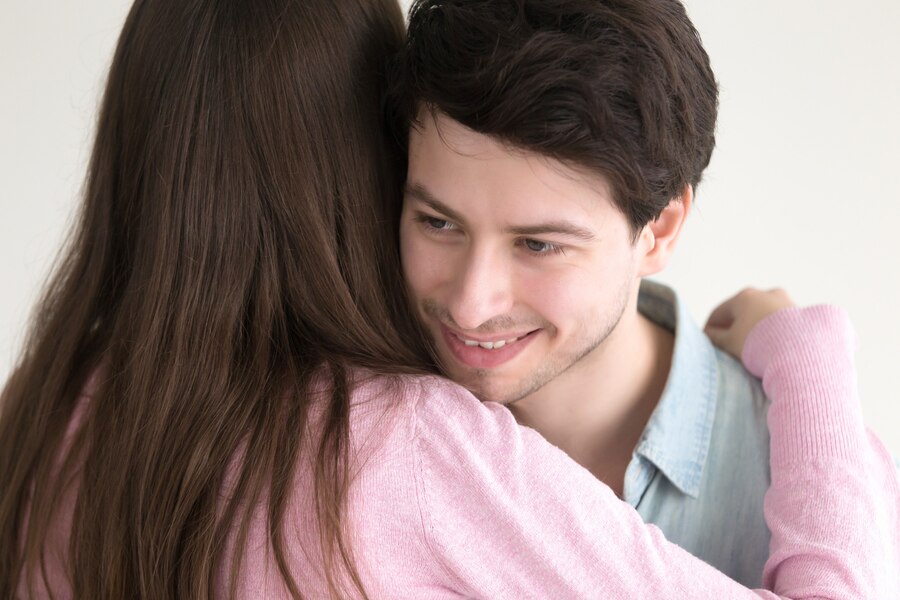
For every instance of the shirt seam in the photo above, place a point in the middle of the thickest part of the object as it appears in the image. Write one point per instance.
(421, 473)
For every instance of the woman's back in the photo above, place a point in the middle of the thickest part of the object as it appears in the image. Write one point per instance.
(227, 249)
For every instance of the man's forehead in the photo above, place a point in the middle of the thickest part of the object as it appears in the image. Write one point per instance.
(437, 129)
(440, 137)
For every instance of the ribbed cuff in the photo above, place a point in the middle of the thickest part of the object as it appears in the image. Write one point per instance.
(805, 359)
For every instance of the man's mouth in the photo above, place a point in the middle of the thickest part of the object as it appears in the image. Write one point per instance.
(495, 345)
(488, 351)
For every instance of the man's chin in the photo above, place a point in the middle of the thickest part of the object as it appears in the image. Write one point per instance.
(488, 385)
(489, 391)
(472, 382)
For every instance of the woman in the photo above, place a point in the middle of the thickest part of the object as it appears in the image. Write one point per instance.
(216, 399)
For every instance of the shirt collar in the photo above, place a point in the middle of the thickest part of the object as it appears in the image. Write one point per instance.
(677, 437)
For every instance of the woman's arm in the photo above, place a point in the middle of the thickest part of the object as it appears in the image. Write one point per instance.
(833, 502)
(806, 456)
(508, 515)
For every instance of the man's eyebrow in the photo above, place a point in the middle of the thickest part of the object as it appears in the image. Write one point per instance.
(565, 228)
(419, 192)
(555, 227)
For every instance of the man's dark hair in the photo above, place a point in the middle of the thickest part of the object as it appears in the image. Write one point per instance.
(622, 88)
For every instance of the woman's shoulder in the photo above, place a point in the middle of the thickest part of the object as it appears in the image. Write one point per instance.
(448, 444)
(432, 409)
(448, 464)
(433, 440)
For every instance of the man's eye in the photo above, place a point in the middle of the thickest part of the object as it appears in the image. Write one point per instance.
(438, 223)
(542, 248)
(435, 224)
(536, 246)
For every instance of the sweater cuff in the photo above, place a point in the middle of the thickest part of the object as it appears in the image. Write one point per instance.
(797, 330)
(805, 359)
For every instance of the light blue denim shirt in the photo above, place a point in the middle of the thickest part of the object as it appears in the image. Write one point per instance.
(701, 468)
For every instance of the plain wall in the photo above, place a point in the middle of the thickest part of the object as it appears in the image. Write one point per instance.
(802, 190)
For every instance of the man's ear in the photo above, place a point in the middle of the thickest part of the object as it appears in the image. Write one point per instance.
(658, 239)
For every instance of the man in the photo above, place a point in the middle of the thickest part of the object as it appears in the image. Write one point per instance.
(554, 151)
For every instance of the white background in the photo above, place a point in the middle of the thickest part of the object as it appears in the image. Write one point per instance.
(802, 191)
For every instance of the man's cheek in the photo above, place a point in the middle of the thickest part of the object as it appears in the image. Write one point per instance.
(426, 265)
(416, 271)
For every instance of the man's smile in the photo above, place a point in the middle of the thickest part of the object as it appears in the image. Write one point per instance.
(483, 352)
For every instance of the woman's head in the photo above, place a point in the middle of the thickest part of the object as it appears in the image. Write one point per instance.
(236, 237)
(240, 155)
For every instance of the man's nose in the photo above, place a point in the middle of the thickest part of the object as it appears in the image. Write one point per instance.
(482, 290)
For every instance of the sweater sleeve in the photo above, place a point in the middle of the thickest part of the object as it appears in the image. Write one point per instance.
(834, 501)
(508, 515)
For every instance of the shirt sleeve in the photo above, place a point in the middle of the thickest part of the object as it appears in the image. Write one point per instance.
(834, 501)
(508, 515)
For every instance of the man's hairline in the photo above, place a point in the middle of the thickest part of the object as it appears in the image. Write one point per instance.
(575, 168)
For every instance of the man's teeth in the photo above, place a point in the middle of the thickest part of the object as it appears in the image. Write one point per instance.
(487, 345)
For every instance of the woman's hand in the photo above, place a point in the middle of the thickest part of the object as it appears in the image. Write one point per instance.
(730, 324)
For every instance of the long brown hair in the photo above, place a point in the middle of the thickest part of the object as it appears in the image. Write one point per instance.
(236, 240)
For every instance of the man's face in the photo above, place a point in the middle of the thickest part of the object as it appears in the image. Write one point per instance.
(519, 266)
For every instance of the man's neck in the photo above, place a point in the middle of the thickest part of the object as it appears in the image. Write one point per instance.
(598, 409)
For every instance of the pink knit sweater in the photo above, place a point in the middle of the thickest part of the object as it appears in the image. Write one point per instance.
(453, 499)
